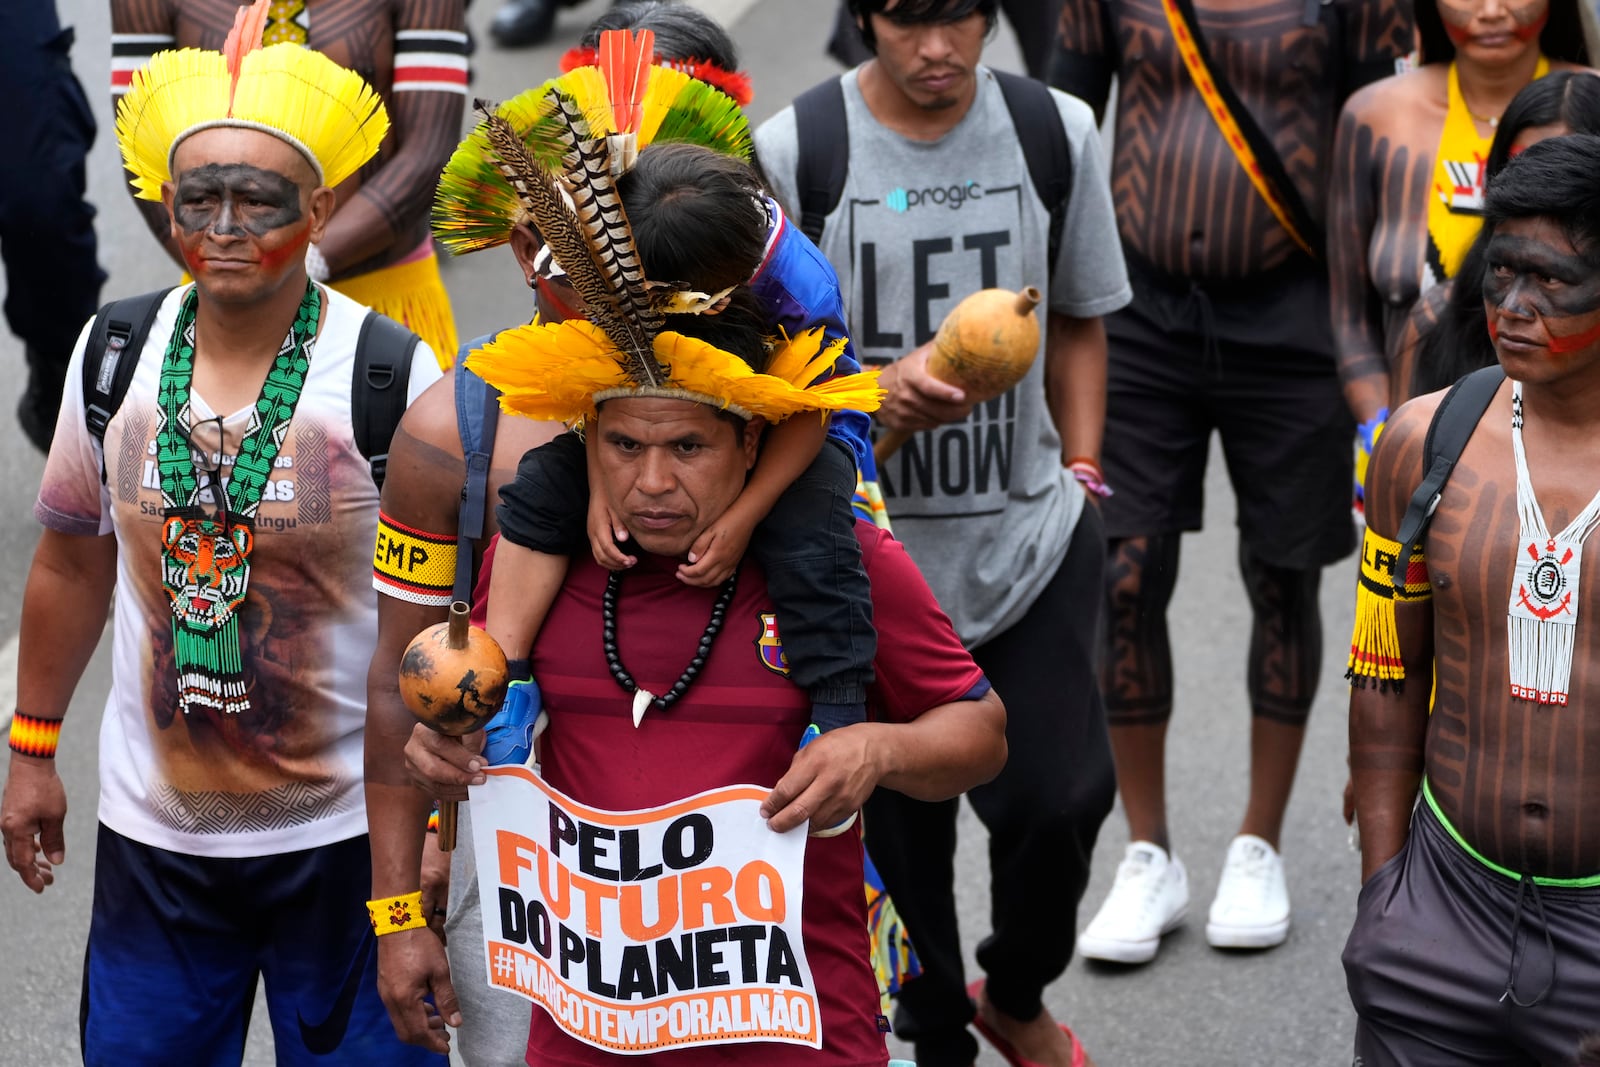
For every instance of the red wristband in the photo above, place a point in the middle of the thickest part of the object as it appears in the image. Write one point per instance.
(34, 737)
(1089, 475)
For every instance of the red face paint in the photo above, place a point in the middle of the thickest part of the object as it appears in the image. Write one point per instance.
(274, 259)
(1562, 346)
(1526, 32)
(560, 306)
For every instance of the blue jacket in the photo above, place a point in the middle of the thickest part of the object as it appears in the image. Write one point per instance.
(799, 290)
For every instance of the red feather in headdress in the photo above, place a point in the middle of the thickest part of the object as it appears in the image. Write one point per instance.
(625, 61)
(249, 23)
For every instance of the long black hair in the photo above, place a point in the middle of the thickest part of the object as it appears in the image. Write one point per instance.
(1459, 343)
(1561, 38)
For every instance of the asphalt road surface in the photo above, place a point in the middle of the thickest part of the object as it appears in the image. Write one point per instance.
(1193, 1006)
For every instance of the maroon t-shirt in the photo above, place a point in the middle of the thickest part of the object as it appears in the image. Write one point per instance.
(739, 722)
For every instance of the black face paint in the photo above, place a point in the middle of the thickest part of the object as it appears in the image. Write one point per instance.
(235, 200)
(1527, 277)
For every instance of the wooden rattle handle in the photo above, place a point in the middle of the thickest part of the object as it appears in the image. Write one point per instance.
(449, 810)
(447, 825)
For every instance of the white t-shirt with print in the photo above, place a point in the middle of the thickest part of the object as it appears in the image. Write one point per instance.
(286, 774)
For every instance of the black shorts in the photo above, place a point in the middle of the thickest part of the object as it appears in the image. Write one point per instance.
(1257, 367)
(1431, 951)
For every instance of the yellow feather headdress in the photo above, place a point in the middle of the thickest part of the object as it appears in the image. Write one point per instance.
(327, 113)
(562, 371)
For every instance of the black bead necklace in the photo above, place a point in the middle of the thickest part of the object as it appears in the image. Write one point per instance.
(608, 607)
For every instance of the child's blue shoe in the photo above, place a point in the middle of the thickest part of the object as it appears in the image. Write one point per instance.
(509, 736)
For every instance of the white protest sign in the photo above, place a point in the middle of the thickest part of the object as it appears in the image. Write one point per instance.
(641, 931)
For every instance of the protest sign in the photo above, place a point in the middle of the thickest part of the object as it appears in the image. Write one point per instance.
(642, 931)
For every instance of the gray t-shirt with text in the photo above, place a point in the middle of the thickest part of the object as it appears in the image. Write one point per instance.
(984, 506)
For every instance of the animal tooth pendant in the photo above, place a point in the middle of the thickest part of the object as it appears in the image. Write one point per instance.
(642, 699)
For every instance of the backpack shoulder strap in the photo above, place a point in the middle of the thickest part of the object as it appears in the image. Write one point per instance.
(824, 154)
(477, 416)
(1452, 427)
(120, 329)
(1044, 146)
(380, 379)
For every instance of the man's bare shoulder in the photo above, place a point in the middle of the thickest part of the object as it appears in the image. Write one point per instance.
(431, 418)
(423, 487)
(1397, 462)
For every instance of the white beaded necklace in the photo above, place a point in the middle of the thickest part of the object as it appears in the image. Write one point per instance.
(1542, 621)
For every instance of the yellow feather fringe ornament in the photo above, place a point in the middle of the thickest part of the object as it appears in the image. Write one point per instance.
(560, 371)
(1375, 655)
(302, 97)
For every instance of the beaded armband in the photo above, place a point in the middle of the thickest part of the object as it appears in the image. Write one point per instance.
(414, 565)
(34, 737)
(1375, 642)
(390, 915)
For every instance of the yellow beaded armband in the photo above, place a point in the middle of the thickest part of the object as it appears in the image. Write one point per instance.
(414, 565)
(1375, 642)
(390, 915)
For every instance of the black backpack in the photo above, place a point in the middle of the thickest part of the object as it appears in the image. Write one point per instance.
(378, 384)
(824, 150)
(1453, 423)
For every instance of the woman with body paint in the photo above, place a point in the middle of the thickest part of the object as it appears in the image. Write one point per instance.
(1409, 170)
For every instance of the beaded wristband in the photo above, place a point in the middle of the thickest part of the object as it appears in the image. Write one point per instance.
(390, 915)
(1089, 475)
(34, 737)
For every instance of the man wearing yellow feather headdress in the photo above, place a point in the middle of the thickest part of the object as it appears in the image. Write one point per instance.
(226, 506)
(676, 434)
(376, 248)
(436, 499)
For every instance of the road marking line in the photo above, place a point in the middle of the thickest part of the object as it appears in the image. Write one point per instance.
(8, 682)
(726, 12)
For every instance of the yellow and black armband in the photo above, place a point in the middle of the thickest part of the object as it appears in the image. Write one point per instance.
(390, 915)
(1375, 642)
(414, 565)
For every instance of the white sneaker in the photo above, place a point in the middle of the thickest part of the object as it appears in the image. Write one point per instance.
(1149, 898)
(1251, 909)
